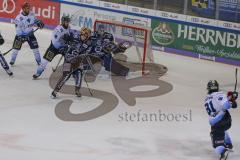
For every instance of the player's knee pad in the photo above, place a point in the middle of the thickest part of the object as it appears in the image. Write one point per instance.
(227, 139)
(218, 138)
(219, 150)
(32, 41)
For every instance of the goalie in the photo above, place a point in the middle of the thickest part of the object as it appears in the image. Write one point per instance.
(103, 46)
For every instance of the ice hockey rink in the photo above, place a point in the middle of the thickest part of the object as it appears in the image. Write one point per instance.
(30, 129)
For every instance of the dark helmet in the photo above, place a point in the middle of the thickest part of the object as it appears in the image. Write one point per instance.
(65, 18)
(212, 86)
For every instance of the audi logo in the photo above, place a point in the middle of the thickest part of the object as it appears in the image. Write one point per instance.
(6, 8)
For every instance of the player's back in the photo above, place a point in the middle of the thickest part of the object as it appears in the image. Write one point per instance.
(215, 102)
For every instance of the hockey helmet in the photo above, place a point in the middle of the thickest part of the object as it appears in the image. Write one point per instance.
(65, 18)
(212, 86)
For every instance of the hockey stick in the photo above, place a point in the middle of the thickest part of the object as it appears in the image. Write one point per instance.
(236, 80)
(90, 91)
(12, 48)
(54, 69)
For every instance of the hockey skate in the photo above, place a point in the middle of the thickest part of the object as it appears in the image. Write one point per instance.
(77, 92)
(12, 63)
(54, 95)
(224, 155)
(229, 147)
(9, 72)
(35, 76)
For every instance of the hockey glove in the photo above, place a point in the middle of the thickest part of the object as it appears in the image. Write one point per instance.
(1, 40)
(40, 24)
(232, 96)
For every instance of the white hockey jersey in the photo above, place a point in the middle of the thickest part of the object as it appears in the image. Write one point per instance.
(24, 24)
(57, 36)
(214, 102)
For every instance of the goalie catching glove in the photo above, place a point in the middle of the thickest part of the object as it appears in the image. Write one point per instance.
(111, 47)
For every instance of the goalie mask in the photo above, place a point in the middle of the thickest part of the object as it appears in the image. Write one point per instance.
(85, 33)
(212, 86)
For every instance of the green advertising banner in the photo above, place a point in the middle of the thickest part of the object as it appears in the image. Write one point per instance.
(196, 39)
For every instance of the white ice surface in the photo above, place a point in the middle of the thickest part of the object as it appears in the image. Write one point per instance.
(30, 130)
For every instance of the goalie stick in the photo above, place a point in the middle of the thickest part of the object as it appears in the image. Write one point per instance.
(12, 48)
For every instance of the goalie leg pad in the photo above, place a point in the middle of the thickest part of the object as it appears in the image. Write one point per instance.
(112, 65)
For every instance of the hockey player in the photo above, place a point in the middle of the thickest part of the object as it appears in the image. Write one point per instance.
(57, 46)
(217, 105)
(3, 62)
(104, 46)
(79, 46)
(24, 24)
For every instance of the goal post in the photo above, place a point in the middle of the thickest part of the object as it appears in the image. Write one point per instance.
(139, 36)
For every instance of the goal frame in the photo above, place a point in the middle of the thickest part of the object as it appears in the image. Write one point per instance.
(146, 31)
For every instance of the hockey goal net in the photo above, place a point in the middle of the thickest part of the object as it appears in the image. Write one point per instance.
(141, 50)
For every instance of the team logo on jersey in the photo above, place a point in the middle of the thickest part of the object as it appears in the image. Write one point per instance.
(163, 34)
(28, 20)
(8, 6)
